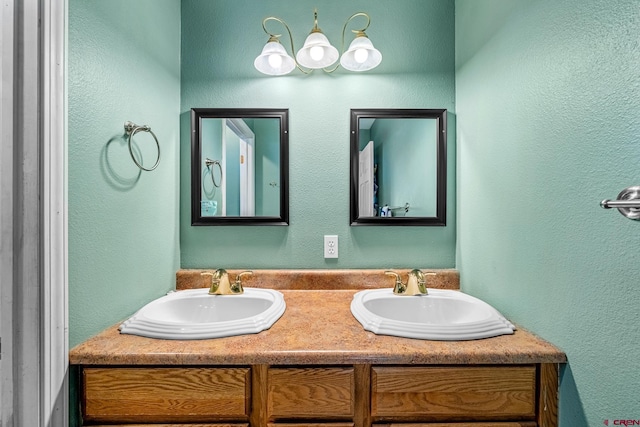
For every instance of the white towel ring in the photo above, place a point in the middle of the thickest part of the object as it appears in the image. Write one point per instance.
(131, 129)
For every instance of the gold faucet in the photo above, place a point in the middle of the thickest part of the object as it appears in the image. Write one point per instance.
(220, 282)
(416, 284)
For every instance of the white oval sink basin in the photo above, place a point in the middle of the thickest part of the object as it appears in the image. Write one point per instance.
(194, 314)
(441, 315)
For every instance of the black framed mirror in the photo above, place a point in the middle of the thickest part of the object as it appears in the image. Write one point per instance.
(398, 167)
(239, 166)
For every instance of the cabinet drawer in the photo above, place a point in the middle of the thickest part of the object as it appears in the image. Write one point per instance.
(174, 425)
(311, 425)
(156, 395)
(308, 393)
(441, 392)
(462, 424)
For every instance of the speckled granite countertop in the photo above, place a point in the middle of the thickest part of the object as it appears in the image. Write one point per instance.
(316, 328)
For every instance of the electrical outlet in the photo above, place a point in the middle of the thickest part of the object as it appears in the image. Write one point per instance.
(331, 246)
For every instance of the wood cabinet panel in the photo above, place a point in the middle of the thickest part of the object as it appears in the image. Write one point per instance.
(156, 395)
(441, 392)
(311, 425)
(471, 424)
(174, 425)
(548, 391)
(310, 393)
(322, 396)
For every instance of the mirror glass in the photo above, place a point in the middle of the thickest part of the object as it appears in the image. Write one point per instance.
(239, 166)
(398, 167)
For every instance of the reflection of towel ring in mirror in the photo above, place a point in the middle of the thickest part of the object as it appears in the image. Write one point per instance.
(210, 162)
(131, 129)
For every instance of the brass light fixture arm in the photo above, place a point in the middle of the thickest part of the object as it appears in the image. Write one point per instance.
(315, 28)
(276, 37)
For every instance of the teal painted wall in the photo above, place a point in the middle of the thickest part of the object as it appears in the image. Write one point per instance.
(365, 137)
(232, 175)
(267, 161)
(123, 64)
(548, 113)
(220, 40)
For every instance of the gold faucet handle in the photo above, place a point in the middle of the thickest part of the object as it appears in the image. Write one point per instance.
(243, 273)
(393, 273)
(424, 278)
(399, 287)
(237, 288)
(210, 279)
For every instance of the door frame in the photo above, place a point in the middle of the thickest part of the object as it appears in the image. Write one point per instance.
(33, 214)
(247, 165)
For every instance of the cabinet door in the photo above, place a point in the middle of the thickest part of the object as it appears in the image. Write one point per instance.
(165, 395)
(442, 393)
(311, 425)
(310, 393)
(469, 424)
(173, 425)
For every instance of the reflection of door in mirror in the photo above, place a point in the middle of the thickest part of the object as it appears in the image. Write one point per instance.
(228, 187)
(366, 181)
(238, 195)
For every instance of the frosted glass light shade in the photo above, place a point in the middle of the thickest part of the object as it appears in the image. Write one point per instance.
(317, 46)
(361, 55)
(274, 60)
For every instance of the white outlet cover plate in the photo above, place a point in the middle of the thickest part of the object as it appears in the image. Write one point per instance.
(331, 246)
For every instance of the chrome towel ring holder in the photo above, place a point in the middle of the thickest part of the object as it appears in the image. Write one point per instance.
(628, 203)
(210, 162)
(131, 129)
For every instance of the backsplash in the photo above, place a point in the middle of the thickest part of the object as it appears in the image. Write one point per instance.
(320, 279)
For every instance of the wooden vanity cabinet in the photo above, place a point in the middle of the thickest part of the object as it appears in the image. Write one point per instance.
(450, 392)
(174, 425)
(464, 396)
(323, 396)
(165, 395)
(465, 424)
(325, 393)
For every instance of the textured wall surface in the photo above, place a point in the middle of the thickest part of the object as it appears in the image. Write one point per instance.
(548, 104)
(220, 40)
(124, 64)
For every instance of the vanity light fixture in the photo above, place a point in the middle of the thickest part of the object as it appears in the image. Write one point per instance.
(317, 52)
